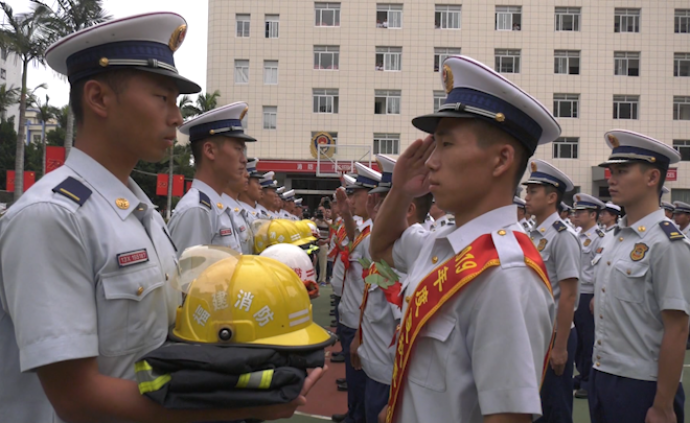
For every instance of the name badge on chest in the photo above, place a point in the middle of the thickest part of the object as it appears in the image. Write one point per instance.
(226, 232)
(132, 257)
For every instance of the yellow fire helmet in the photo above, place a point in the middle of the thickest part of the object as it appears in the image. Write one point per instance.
(305, 230)
(194, 260)
(249, 301)
(260, 231)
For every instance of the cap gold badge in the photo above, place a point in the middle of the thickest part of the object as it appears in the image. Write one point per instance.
(177, 37)
(639, 251)
(447, 78)
(244, 113)
(122, 203)
(614, 141)
(533, 166)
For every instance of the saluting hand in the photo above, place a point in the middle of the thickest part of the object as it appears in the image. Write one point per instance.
(341, 195)
(411, 174)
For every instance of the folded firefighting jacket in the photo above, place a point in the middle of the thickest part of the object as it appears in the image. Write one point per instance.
(195, 376)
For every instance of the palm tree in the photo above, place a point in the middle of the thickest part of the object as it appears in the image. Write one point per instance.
(8, 98)
(23, 36)
(46, 112)
(204, 103)
(68, 17)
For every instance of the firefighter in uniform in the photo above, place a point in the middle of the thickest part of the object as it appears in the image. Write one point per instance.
(465, 354)
(642, 298)
(218, 143)
(608, 217)
(250, 196)
(681, 215)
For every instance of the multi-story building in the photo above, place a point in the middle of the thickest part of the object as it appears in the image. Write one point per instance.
(11, 77)
(359, 71)
(35, 127)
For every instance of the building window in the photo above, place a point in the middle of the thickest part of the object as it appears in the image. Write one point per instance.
(325, 100)
(565, 148)
(681, 23)
(36, 138)
(388, 58)
(568, 19)
(3, 74)
(386, 143)
(681, 108)
(441, 54)
(508, 18)
(626, 63)
(626, 106)
(241, 71)
(683, 147)
(681, 64)
(626, 20)
(272, 23)
(507, 61)
(327, 14)
(326, 57)
(270, 117)
(566, 105)
(387, 102)
(447, 16)
(439, 99)
(389, 15)
(271, 72)
(566, 62)
(242, 22)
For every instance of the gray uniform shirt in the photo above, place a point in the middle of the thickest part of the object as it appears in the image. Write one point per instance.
(240, 223)
(643, 271)
(197, 222)
(560, 251)
(590, 244)
(353, 287)
(82, 276)
(483, 351)
(252, 213)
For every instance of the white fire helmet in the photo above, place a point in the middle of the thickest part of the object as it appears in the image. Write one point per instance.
(298, 260)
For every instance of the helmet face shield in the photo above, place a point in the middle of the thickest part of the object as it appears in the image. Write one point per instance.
(195, 260)
(248, 301)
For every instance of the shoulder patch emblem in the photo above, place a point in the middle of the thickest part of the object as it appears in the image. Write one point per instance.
(639, 251)
(671, 231)
(74, 190)
(600, 250)
(587, 242)
(203, 199)
(542, 244)
(600, 233)
(559, 226)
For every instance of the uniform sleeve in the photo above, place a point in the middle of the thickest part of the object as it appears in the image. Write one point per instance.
(407, 248)
(566, 255)
(189, 228)
(49, 287)
(670, 270)
(510, 333)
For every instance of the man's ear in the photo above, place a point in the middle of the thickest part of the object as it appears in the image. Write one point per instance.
(210, 150)
(97, 98)
(411, 210)
(504, 159)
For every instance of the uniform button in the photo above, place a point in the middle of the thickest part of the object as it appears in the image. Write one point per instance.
(407, 299)
(620, 239)
(434, 259)
(608, 263)
(598, 357)
(501, 232)
(598, 364)
(603, 289)
(140, 290)
(599, 342)
(601, 316)
(628, 271)
(167, 276)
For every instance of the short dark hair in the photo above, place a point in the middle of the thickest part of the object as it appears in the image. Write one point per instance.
(559, 195)
(197, 148)
(115, 79)
(644, 166)
(488, 134)
(422, 206)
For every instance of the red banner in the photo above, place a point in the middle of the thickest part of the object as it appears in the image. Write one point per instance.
(671, 174)
(29, 180)
(162, 185)
(187, 186)
(55, 157)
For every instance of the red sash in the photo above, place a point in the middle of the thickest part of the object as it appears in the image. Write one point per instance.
(345, 254)
(340, 237)
(440, 286)
(365, 296)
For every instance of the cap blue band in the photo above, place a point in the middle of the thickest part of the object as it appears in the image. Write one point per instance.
(516, 123)
(586, 204)
(87, 62)
(545, 177)
(681, 209)
(203, 131)
(267, 184)
(614, 211)
(630, 152)
(366, 182)
(386, 177)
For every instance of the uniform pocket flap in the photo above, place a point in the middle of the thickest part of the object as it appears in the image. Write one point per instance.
(131, 284)
(632, 269)
(439, 328)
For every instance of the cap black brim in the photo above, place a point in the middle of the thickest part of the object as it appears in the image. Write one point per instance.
(428, 123)
(243, 137)
(379, 190)
(184, 85)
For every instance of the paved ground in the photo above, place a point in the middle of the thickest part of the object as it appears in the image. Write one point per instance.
(325, 400)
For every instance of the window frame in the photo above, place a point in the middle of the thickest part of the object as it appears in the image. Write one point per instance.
(388, 8)
(625, 14)
(563, 11)
(335, 57)
(248, 69)
(439, 99)
(622, 59)
(247, 22)
(392, 98)
(505, 13)
(681, 107)
(678, 60)
(573, 144)
(573, 99)
(320, 7)
(267, 67)
(444, 16)
(271, 25)
(633, 100)
(326, 94)
(681, 19)
(683, 148)
(272, 113)
(568, 56)
(439, 56)
(391, 141)
(387, 58)
(499, 55)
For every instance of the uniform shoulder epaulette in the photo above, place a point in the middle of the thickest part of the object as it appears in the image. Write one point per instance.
(559, 226)
(74, 190)
(600, 233)
(671, 231)
(203, 199)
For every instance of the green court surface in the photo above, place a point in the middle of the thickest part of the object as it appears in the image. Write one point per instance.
(321, 308)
